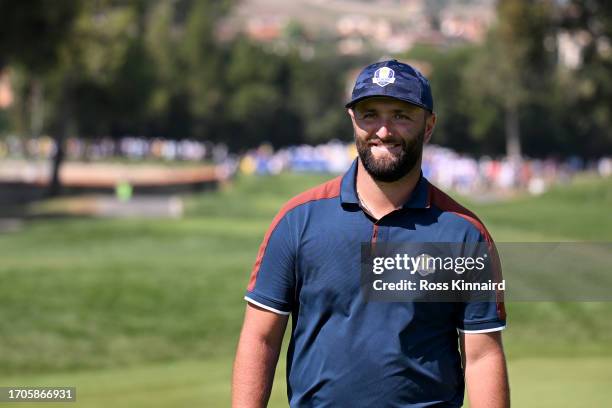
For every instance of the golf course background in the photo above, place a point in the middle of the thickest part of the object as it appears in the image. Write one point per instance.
(147, 313)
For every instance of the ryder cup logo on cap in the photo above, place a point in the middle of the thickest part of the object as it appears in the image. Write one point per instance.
(392, 79)
(384, 76)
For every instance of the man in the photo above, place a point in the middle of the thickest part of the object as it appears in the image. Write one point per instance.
(344, 350)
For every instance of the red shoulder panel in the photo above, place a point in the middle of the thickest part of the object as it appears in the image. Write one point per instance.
(329, 189)
(445, 203)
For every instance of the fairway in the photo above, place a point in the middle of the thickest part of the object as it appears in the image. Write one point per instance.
(141, 313)
(537, 383)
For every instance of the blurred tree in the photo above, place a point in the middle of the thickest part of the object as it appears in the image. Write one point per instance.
(319, 89)
(588, 85)
(168, 108)
(88, 58)
(187, 100)
(455, 126)
(101, 79)
(257, 97)
(155, 68)
(513, 67)
(205, 67)
(294, 32)
(30, 37)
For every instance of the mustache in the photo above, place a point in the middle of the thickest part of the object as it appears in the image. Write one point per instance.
(392, 140)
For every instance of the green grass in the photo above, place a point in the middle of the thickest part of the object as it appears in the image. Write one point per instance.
(536, 382)
(146, 313)
(566, 213)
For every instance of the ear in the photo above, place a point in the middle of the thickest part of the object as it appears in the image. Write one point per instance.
(351, 113)
(430, 124)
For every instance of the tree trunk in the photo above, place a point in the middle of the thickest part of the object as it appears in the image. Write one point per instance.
(36, 108)
(55, 187)
(67, 126)
(513, 133)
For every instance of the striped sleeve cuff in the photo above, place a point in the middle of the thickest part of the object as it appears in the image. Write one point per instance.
(494, 329)
(267, 303)
(482, 327)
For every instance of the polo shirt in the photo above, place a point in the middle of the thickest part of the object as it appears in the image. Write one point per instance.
(344, 351)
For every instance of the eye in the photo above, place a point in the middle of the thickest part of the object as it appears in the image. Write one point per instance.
(368, 115)
(401, 116)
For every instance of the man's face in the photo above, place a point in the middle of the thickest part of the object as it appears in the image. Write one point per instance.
(389, 135)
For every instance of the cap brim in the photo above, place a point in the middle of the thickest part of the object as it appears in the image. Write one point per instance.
(410, 101)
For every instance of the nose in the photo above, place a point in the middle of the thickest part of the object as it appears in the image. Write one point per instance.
(384, 131)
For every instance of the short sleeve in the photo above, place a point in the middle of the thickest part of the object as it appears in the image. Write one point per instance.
(272, 283)
(484, 316)
(481, 317)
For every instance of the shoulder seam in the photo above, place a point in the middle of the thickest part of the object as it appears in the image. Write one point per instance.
(447, 204)
(454, 207)
(303, 198)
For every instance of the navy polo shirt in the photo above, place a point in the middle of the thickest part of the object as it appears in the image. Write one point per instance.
(345, 352)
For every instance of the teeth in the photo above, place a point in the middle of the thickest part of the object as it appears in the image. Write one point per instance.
(385, 148)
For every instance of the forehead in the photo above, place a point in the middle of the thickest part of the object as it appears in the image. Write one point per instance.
(385, 103)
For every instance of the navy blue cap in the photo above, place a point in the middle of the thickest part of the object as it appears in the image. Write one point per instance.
(395, 80)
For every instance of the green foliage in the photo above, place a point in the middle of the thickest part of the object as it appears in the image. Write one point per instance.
(4, 122)
(511, 69)
(464, 122)
(514, 83)
(256, 95)
(155, 68)
(32, 33)
(318, 93)
(203, 65)
(589, 87)
(294, 32)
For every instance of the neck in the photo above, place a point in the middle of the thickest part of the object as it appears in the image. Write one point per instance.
(381, 197)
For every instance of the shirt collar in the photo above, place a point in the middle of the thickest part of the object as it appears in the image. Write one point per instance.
(348, 191)
(420, 195)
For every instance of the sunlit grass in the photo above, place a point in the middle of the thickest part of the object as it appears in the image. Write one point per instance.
(121, 306)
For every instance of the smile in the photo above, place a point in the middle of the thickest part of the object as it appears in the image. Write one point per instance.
(385, 148)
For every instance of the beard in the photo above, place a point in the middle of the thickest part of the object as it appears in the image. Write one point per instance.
(389, 169)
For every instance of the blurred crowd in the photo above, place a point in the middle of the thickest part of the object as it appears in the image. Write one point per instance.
(451, 170)
(129, 147)
(444, 167)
